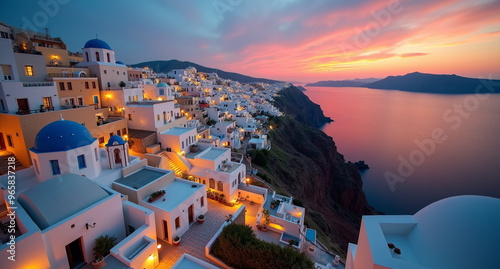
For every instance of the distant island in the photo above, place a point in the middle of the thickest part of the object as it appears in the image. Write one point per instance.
(421, 82)
(344, 83)
(430, 83)
(165, 66)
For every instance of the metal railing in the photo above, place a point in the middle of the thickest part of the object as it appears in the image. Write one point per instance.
(37, 84)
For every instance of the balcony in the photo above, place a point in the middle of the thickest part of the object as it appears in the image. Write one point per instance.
(38, 84)
(69, 75)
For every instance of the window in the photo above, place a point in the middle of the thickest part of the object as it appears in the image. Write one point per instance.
(54, 164)
(109, 59)
(98, 59)
(118, 133)
(81, 161)
(87, 56)
(80, 101)
(177, 222)
(129, 116)
(124, 131)
(211, 183)
(86, 85)
(93, 85)
(28, 69)
(47, 102)
(220, 186)
(70, 87)
(101, 140)
(202, 201)
(96, 155)
(105, 72)
(10, 142)
(158, 117)
(162, 92)
(111, 134)
(61, 86)
(96, 99)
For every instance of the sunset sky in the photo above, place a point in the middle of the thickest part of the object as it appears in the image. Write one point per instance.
(291, 40)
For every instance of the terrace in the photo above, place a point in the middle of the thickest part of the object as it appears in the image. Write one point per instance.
(176, 193)
(140, 178)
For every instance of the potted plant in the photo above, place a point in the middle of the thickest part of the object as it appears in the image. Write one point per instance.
(397, 251)
(266, 218)
(122, 84)
(274, 203)
(391, 245)
(194, 148)
(156, 195)
(201, 218)
(42, 108)
(177, 240)
(103, 244)
(221, 197)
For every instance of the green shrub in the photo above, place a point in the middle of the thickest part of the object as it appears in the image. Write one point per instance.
(258, 157)
(298, 202)
(238, 247)
(263, 176)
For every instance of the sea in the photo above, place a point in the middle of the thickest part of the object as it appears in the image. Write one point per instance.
(420, 147)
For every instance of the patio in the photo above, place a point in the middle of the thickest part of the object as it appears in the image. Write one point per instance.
(194, 240)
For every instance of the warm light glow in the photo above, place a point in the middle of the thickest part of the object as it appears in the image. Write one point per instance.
(186, 114)
(271, 127)
(248, 180)
(55, 57)
(108, 95)
(151, 256)
(276, 226)
(125, 136)
(183, 153)
(159, 99)
(159, 246)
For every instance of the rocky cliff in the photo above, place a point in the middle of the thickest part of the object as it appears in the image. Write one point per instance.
(305, 164)
(295, 103)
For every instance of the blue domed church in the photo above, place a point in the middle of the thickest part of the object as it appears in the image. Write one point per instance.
(99, 58)
(64, 147)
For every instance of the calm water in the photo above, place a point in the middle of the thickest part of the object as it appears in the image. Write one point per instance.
(418, 148)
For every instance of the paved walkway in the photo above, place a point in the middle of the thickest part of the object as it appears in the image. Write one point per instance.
(196, 238)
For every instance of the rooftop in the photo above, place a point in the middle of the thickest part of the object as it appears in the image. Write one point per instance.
(70, 193)
(177, 131)
(212, 154)
(176, 193)
(187, 261)
(141, 178)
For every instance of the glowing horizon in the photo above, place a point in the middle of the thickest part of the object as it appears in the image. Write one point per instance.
(291, 40)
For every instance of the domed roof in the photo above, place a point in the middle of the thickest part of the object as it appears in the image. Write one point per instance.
(448, 225)
(162, 84)
(115, 140)
(97, 43)
(119, 62)
(71, 193)
(62, 135)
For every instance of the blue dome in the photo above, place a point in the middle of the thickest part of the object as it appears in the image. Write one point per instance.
(115, 140)
(162, 84)
(97, 43)
(62, 135)
(119, 62)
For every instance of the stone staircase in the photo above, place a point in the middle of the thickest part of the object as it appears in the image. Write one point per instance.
(4, 166)
(173, 166)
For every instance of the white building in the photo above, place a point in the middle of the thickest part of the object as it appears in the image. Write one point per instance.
(60, 210)
(99, 58)
(456, 232)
